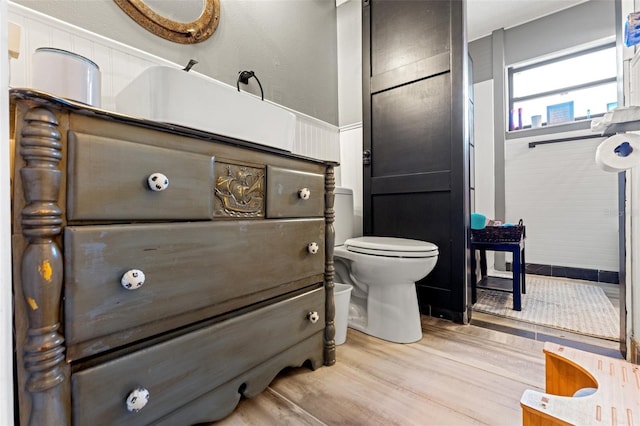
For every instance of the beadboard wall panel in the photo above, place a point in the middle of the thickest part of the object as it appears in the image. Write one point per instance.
(569, 205)
(119, 64)
(316, 138)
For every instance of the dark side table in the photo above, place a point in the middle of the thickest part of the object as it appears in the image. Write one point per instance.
(517, 249)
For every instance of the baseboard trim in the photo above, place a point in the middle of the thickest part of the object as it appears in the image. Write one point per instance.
(596, 275)
(457, 317)
(634, 351)
(543, 337)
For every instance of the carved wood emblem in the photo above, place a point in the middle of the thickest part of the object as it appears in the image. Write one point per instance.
(239, 191)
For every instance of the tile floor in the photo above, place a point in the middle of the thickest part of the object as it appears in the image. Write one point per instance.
(543, 334)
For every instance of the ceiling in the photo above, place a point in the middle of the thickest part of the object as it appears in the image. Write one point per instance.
(484, 16)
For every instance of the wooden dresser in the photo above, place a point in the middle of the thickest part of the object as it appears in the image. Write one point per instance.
(160, 273)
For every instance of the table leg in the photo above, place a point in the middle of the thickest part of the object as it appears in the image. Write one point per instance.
(516, 279)
(523, 266)
(483, 264)
(474, 279)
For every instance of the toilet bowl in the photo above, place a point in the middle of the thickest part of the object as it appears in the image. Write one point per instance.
(383, 272)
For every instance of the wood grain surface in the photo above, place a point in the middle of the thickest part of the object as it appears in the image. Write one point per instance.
(456, 375)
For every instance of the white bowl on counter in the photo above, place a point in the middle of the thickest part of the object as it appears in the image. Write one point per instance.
(67, 75)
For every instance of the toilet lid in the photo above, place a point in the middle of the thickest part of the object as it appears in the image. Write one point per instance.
(391, 247)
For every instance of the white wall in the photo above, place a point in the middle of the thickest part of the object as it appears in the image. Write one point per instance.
(351, 170)
(484, 180)
(349, 174)
(6, 341)
(569, 205)
(349, 27)
(633, 250)
(585, 24)
(633, 219)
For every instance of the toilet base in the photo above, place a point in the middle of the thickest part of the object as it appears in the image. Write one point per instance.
(396, 319)
(393, 339)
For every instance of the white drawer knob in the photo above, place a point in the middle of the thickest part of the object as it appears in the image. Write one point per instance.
(158, 182)
(312, 248)
(137, 399)
(132, 279)
(313, 317)
(304, 193)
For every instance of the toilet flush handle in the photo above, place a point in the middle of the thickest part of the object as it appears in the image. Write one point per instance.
(304, 193)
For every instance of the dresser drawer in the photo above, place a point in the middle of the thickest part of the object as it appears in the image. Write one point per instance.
(178, 371)
(108, 180)
(187, 266)
(284, 197)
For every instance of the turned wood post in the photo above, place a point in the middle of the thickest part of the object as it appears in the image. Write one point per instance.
(42, 267)
(329, 270)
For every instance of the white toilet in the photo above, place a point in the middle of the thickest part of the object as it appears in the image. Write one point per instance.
(383, 272)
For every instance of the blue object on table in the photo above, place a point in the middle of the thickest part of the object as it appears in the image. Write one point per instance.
(478, 221)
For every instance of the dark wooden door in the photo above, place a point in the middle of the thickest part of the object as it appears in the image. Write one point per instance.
(416, 154)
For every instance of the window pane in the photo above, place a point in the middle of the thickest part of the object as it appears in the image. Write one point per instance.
(574, 71)
(588, 101)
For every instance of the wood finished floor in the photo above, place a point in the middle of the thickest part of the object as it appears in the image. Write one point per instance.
(456, 375)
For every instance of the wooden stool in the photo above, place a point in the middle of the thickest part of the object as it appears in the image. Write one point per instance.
(615, 402)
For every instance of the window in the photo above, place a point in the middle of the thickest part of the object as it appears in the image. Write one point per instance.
(571, 87)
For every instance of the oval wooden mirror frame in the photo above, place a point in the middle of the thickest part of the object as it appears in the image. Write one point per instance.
(179, 32)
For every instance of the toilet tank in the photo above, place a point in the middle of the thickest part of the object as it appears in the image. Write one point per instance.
(343, 206)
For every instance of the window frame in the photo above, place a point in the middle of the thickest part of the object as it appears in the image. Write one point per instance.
(511, 70)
